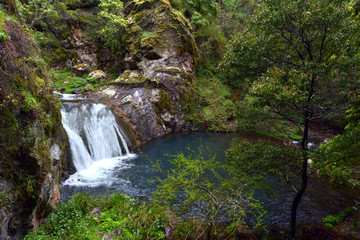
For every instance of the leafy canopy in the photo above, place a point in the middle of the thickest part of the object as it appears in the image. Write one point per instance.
(195, 182)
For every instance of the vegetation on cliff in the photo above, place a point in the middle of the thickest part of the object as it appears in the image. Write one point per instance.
(29, 127)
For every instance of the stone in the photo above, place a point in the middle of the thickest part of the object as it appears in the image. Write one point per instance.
(166, 117)
(160, 60)
(55, 152)
(77, 91)
(88, 88)
(146, 52)
(127, 99)
(81, 69)
(5, 218)
(55, 197)
(6, 186)
(130, 76)
(130, 63)
(168, 231)
(117, 231)
(96, 211)
(109, 92)
(98, 74)
(154, 95)
(108, 237)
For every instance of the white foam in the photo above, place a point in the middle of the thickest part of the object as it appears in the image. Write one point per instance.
(69, 97)
(101, 173)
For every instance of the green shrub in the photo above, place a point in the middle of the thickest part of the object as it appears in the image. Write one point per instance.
(3, 35)
(330, 221)
(73, 219)
(67, 79)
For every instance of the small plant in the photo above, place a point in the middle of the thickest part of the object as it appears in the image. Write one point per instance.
(147, 34)
(3, 35)
(331, 220)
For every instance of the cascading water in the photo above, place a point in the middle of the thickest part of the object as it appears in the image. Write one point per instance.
(98, 144)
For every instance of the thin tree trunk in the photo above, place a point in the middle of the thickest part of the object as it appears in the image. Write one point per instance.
(304, 179)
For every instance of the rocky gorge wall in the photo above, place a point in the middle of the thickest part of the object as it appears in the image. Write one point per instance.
(160, 61)
(33, 143)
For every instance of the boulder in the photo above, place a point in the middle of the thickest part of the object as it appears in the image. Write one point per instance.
(76, 91)
(158, 36)
(88, 88)
(81, 69)
(98, 74)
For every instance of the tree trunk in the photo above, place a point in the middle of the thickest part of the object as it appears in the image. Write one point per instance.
(304, 178)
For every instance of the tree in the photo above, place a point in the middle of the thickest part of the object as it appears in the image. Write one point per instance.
(297, 57)
(36, 10)
(200, 12)
(111, 13)
(339, 158)
(195, 182)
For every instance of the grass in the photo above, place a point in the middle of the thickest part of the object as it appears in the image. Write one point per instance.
(118, 216)
(68, 80)
(331, 220)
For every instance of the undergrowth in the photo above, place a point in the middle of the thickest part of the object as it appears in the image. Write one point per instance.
(116, 216)
(68, 80)
(331, 220)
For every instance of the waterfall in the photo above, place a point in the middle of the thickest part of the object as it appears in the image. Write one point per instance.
(98, 144)
(93, 133)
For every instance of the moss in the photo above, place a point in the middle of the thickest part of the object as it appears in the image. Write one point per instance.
(167, 25)
(29, 117)
(164, 103)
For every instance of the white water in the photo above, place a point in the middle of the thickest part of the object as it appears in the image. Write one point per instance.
(98, 145)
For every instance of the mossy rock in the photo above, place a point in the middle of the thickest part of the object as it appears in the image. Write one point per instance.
(157, 29)
(29, 123)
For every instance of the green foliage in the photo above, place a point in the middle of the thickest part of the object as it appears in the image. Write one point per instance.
(67, 222)
(217, 102)
(34, 11)
(3, 16)
(330, 221)
(3, 35)
(111, 12)
(147, 34)
(263, 159)
(339, 158)
(274, 38)
(30, 103)
(195, 182)
(299, 57)
(164, 103)
(201, 12)
(68, 80)
(134, 220)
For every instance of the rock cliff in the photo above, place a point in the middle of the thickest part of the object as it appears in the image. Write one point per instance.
(160, 61)
(32, 141)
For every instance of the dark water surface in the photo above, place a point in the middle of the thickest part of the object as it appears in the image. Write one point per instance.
(131, 177)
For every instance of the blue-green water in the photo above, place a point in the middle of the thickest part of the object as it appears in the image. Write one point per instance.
(131, 176)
